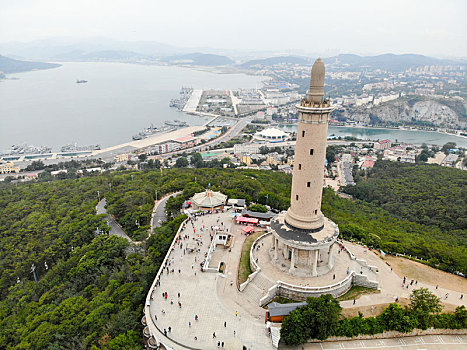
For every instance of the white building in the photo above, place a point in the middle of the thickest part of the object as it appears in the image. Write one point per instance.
(271, 135)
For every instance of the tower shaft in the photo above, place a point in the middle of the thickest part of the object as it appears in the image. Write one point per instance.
(310, 153)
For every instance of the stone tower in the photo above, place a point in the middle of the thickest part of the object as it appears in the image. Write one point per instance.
(303, 237)
(310, 152)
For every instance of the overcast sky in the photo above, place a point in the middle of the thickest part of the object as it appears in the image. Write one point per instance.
(358, 26)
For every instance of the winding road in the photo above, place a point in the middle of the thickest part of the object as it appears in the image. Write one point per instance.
(158, 213)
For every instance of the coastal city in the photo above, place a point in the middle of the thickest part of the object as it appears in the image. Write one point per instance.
(257, 175)
(254, 128)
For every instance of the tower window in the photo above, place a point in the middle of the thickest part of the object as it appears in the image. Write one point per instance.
(316, 211)
(296, 197)
(308, 184)
(303, 133)
(299, 167)
(311, 152)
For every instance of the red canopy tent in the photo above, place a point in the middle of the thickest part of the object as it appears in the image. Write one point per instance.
(244, 220)
(248, 229)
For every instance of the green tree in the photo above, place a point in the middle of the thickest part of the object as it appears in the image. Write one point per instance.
(197, 160)
(294, 330)
(424, 305)
(35, 165)
(447, 146)
(318, 320)
(181, 162)
(258, 208)
(394, 318)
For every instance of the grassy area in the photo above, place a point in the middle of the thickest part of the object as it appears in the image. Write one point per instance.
(244, 268)
(355, 292)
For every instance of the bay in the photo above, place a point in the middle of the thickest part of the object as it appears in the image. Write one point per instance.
(49, 108)
(398, 135)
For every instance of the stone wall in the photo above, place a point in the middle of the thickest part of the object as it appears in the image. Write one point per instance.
(363, 281)
(301, 293)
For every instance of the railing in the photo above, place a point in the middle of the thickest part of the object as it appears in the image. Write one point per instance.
(317, 289)
(147, 311)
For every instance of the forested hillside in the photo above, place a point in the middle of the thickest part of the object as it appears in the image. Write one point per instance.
(427, 194)
(432, 198)
(92, 294)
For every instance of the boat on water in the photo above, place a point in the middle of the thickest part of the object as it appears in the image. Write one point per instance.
(175, 122)
(75, 148)
(26, 149)
(81, 81)
(184, 96)
(151, 131)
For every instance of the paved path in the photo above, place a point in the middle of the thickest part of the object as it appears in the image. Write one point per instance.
(391, 284)
(158, 213)
(201, 294)
(426, 342)
(115, 228)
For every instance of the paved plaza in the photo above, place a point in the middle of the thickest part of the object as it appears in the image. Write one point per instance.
(210, 296)
(236, 317)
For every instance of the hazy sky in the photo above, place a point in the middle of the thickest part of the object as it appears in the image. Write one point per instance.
(357, 26)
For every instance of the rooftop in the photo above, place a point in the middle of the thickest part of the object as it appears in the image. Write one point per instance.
(304, 236)
(209, 199)
(276, 309)
(185, 139)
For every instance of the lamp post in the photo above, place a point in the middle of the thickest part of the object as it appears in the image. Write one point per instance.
(33, 270)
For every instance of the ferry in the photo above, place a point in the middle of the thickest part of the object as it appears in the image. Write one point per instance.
(81, 81)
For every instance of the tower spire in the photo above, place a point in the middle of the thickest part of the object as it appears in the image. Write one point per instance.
(316, 92)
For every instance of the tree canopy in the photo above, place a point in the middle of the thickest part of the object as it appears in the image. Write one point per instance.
(321, 318)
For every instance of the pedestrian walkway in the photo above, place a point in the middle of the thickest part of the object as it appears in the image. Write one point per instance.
(202, 310)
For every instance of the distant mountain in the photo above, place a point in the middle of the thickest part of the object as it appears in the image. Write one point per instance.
(102, 55)
(10, 65)
(50, 48)
(390, 62)
(198, 59)
(270, 61)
